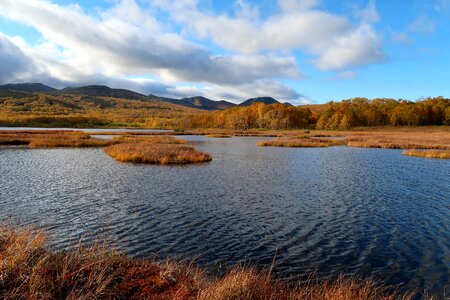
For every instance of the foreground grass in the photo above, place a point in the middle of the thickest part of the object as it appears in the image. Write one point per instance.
(441, 154)
(149, 153)
(304, 142)
(28, 270)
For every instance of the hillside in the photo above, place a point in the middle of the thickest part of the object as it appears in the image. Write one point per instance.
(264, 100)
(27, 87)
(69, 110)
(200, 103)
(103, 91)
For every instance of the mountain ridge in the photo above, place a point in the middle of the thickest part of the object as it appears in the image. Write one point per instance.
(198, 102)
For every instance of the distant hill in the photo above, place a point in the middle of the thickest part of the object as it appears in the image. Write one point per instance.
(265, 100)
(27, 87)
(196, 102)
(103, 91)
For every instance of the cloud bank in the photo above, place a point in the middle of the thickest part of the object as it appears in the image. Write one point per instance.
(130, 45)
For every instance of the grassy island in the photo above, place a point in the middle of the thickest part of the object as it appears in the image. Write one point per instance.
(441, 154)
(29, 270)
(149, 153)
(304, 142)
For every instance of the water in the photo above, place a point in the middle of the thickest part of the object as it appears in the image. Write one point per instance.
(324, 210)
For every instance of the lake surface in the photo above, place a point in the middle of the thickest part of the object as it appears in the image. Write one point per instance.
(349, 210)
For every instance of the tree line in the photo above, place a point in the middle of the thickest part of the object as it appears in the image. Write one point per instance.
(345, 114)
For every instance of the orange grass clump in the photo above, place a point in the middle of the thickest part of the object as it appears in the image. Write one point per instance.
(441, 154)
(219, 135)
(163, 139)
(51, 139)
(301, 142)
(28, 270)
(401, 139)
(148, 153)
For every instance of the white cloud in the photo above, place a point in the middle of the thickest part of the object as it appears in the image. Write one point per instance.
(299, 25)
(401, 38)
(361, 47)
(423, 25)
(128, 40)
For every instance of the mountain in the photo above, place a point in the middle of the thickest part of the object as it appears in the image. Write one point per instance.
(27, 87)
(265, 100)
(103, 91)
(196, 102)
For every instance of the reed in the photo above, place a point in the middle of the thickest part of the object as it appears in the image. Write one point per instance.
(68, 143)
(303, 142)
(430, 138)
(219, 135)
(440, 154)
(30, 271)
(163, 139)
(164, 154)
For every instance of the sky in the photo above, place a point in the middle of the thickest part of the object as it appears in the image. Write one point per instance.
(300, 51)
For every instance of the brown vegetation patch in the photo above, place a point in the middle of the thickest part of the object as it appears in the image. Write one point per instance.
(441, 154)
(163, 139)
(304, 142)
(51, 139)
(401, 139)
(148, 153)
(29, 271)
(219, 135)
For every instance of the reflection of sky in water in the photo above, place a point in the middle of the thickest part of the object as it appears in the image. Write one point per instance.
(365, 211)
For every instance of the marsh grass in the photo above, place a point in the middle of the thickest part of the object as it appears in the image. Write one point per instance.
(401, 139)
(163, 139)
(149, 153)
(219, 135)
(51, 139)
(28, 270)
(302, 141)
(440, 154)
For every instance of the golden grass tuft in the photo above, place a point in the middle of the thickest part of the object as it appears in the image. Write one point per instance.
(401, 139)
(148, 153)
(28, 270)
(440, 154)
(219, 135)
(51, 139)
(163, 139)
(301, 142)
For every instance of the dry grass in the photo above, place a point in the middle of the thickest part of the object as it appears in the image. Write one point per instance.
(148, 153)
(441, 154)
(51, 139)
(304, 142)
(219, 135)
(29, 271)
(418, 138)
(163, 139)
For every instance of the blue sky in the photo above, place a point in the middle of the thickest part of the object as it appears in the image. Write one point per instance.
(301, 51)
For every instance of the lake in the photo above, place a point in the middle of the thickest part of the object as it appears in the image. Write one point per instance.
(324, 210)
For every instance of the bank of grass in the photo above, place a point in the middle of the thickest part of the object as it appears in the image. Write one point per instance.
(440, 154)
(149, 153)
(401, 138)
(30, 271)
(219, 135)
(301, 142)
(50, 139)
(150, 139)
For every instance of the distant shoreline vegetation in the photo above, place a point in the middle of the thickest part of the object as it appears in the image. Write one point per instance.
(63, 109)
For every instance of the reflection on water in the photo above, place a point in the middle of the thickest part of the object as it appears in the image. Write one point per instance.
(329, 210)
